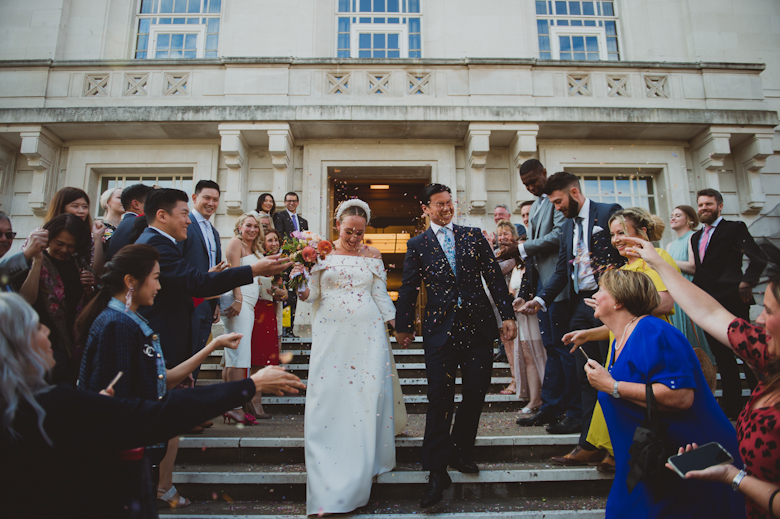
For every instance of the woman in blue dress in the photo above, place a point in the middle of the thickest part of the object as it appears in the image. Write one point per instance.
(647, 349)
(683, 221)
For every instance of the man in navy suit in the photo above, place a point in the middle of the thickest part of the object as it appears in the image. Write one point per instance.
(585, 252)
(131, 226)
(202, 250)
(459, 330)
(286, 222)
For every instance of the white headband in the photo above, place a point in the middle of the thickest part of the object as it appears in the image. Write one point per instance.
(354, 202)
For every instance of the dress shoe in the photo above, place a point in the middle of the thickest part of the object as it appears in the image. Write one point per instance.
(463, 465)
(607, 465)
(579, 457)
(207, 424)
(195, 430)
(540, 418)
(438, 482)
(500, 357)
(566, 425)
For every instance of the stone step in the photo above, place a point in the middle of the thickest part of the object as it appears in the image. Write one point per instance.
(569, 507)
(287, 481)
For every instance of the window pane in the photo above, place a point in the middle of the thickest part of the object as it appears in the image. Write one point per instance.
(190, 54)
(379, 6)
(364, 54)
(577, 43)
(163, 41)
(611, 28)
(544, 43)
(414, 25)
(415, 54)
(365, 6)
(364, 41)
(542, 27)
(343, 24)
(392, 41)
(576, 23)
(140, 55)
(607, 8)
(592, 43)
(379, 54)
(579, 56)
(590, 185)
(179, 21)
(563, 22)
(393, 20)
(143, 26)
(541, 7)
(379, 20)
(365, 20)
(566, 55)
(212, 42)
(215, 6)
(143, 42)
(612, 45)
(414, 6)
(394, 54)
(379, 41)
(545, 55)
(180, 6)
(623, 187)
(146, 6)
(166, 6)
(587, 8)
(560, 8)
(565, 43)
(574, 8)
(590, 23)
(343, 54)
(414, 42)
(177, 41)
(191, 41)
(192, 21)
(211, 54)
(343, 6)
(392, 6)
(343, 41)
(161, 54)
(193, 6)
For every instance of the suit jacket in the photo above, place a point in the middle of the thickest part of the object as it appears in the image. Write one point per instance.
(12, 264)
(171, 314)
(721, 271)
(126, 233)
(544, 243)
(195, 250)
(602, 254)
(474, 260)
(283, 223)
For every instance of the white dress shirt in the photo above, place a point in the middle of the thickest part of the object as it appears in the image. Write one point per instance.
(440, 236)
(164, 234)
(294, 218)
(208, 235)
(586, 279)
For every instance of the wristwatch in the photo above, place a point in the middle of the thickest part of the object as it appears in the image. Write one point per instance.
(737, 480)
(615, 393)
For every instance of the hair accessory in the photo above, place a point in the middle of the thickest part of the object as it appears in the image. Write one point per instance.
(343, 206)
(129, 299)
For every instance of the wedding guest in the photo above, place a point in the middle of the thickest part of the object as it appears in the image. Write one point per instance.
(7, 234)
(65, 440)
(12, 264)
(266, 204)
(111, 202)
(286, 222)
(268, 320)
(650, 351)
(266, 222)
(58, 286)
(525, 214)
(683, 221)
(245, 248)
(718, 250)
(132, 225)
(75, 201)
(501, 212)
(757, 426)
(506, 236)
(115, 338)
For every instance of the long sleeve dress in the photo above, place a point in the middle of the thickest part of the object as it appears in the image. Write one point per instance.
(348, 424)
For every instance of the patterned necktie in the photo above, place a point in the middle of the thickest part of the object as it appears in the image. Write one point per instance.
(448, 245)
(208, 234)
(704, 241)
(575, 274)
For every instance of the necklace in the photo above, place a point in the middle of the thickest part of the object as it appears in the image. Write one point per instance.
(624, 333)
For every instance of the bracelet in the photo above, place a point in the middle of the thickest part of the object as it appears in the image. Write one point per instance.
(771, 502)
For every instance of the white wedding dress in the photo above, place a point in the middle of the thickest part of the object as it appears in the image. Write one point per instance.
(348, 424)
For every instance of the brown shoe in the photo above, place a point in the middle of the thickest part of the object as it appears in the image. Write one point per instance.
(207, 424)
(578, 457)
(607, 465)
(195, 430)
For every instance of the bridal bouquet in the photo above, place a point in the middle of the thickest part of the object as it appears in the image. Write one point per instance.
(306, 248)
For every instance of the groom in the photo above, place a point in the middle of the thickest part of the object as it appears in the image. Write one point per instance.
(459, 329)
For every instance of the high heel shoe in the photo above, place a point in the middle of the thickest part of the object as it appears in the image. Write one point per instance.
(259, 416)
(510, 390)
(247, 420)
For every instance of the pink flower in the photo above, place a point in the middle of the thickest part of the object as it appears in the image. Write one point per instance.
(309, 254)
(297, 235)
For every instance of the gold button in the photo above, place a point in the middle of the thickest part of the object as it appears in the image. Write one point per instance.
(154, 337)
(160, 377)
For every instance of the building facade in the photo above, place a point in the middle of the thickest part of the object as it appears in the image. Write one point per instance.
(647, 100)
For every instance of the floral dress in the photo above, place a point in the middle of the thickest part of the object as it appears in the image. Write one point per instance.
(757, 429)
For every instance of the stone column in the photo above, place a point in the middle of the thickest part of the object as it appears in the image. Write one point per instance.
(477, 149)
(42, 150)
(749, 158)
(522, 148)
(236, 153)
(709, 149)
(280, 146)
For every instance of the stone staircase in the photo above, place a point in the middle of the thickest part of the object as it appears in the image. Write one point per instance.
(235, 471)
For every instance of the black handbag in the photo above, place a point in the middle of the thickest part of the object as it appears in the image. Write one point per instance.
(650, 451)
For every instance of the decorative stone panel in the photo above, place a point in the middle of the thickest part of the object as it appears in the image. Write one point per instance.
(578, 85)
(657, 86)
(176, 83)
(418, 84)
(96, 85)
(378, 82)
(338, 83)
(618, 86)
(136, 85)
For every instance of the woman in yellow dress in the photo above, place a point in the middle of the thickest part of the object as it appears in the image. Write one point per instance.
(634, 222)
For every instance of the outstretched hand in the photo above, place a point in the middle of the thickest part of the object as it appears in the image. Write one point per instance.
(642, 249)
(270, 265)
(275, 380)
(228, 340)
(576, 339)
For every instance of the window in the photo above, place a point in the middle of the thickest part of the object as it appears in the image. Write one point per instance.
(379, 29)
(577, 30)
(626, 190)
(178, 29)
(183, 182)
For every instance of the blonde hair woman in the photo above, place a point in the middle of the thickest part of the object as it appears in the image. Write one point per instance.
(245, 248)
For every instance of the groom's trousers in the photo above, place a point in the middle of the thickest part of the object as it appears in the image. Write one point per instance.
(474, 355)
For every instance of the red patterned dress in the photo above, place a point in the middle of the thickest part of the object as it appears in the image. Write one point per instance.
(757, 429)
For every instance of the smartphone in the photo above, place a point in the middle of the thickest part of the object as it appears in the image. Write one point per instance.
(708, 455)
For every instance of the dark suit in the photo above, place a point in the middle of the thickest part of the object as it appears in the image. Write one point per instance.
(720, 275)
(125, 234)
(602, 256)
(195, 252)
(284, 224)
(455, 334)
(171, 314)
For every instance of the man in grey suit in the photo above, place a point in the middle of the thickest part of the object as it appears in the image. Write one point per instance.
(560, 389)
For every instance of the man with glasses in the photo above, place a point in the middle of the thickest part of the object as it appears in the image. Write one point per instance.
(13, 264)
(286, 222)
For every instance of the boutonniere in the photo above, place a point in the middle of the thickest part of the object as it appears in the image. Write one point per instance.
(597, 228)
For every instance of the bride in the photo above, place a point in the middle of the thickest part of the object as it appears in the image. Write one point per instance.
(348, 423)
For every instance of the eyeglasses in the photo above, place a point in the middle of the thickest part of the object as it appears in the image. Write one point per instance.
(8, 235)
(290, 201)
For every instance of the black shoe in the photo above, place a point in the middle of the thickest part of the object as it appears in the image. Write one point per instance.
(540, 418)
(566, 425)
(438, 482)
(463, 465)
(500, 357)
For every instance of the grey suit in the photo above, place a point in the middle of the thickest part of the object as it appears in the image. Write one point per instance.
(542, 247)
(13, 264)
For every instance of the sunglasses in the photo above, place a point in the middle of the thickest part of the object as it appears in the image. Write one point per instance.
(8, 235)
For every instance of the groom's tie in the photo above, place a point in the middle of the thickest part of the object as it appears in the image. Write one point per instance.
(448, 244)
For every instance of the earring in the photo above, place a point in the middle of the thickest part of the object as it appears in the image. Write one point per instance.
(615, 307)
(129, 299)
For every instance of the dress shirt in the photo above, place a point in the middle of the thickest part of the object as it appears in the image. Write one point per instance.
(709, 238)
(208, 235)
(294, 218)
(164, 234)
(435, 228)
(129, 213)
(586, 279)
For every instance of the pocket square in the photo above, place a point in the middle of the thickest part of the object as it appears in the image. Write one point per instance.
(597, 228)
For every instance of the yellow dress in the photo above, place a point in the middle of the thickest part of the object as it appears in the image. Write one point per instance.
(598, 435)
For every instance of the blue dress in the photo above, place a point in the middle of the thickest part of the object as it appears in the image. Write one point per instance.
(658, 351)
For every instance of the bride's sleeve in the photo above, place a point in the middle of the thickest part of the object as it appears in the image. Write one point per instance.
(314, 285)
(380, 295)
